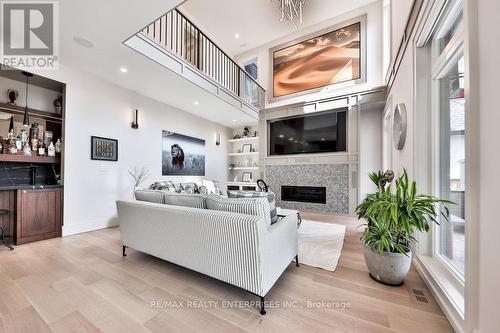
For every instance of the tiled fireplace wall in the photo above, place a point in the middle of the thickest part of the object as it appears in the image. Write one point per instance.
(335, 177)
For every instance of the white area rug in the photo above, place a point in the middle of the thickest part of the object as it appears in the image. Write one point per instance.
(320, 244)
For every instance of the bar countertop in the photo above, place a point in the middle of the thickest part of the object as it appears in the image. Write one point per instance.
(28, 187)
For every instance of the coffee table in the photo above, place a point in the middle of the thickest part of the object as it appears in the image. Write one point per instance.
(283, 212)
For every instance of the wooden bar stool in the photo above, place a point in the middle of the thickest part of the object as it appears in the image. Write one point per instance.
(4, 212)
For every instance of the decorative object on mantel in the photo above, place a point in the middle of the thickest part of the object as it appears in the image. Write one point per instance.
(247, 177)
(246, 131)
(103, 149)
(135, 120)
(236, 136)
(393, 216)
(26, 118)
(58, 105)
(231, 166)
(13, 95)
(255, 134)
(399, 126)
(138, 176)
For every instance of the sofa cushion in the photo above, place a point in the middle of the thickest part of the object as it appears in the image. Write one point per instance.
(250, 206)
(190, 188)
(154, 196)
(185, 199)
(271, 197)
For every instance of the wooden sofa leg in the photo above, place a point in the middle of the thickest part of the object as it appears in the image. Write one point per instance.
(262, 302)
(297, 260)
(123, 251)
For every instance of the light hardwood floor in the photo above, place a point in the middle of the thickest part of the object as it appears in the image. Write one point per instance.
(82, 284)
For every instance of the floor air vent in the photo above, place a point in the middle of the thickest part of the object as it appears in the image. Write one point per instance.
(420, 296)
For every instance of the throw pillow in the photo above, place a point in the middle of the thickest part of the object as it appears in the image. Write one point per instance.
(186, 200)
(249, 206)
(212, 186)
(271, 197)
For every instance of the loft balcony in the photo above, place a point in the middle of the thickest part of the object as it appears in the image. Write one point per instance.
(176, 43)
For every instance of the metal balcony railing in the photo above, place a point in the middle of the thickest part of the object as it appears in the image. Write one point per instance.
(175, 33)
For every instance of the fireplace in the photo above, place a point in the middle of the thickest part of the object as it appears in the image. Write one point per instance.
(309, 194)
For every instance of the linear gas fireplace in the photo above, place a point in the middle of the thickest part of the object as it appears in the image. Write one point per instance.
(310, 194)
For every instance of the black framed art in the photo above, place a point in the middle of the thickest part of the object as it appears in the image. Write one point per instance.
(103, 149)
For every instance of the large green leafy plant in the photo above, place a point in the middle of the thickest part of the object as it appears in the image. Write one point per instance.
(395, 213)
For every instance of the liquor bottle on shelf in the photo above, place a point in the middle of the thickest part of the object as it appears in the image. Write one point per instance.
(41, 149)
(58, 146)
(51, 150)
(1, 145)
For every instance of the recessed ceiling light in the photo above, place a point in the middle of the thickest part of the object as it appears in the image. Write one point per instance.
(196, 103)
(83, 42)
(123, 70)
(236, 36)
(234, 120)
(322, 139)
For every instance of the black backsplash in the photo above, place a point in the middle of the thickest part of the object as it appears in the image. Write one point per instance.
(13, 174)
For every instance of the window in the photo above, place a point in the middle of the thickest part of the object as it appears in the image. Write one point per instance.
(449, 140)
(452, 163)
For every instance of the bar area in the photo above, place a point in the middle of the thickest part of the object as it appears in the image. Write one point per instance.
(31, 157)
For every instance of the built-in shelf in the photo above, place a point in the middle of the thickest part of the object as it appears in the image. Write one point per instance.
(242, 183)
(250, 138)
(19, 110)
(244, 168)
(29, 159)
(244, 154)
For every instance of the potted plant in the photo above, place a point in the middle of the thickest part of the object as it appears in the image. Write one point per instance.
(58, 105)
(393, 215)
(138, 176)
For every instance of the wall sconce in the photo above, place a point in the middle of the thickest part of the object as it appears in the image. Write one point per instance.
(135, 121)
(217, 139)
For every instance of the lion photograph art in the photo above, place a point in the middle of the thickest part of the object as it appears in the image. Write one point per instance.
(182, 155)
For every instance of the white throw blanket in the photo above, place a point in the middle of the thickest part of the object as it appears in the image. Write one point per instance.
(320, 244)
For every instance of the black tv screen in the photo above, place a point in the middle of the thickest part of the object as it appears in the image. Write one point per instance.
(316, 133)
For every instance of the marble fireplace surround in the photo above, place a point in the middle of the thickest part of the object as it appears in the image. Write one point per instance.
(335, 177)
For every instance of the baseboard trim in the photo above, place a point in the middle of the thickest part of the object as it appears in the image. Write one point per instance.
(78, 228)
(447, 306)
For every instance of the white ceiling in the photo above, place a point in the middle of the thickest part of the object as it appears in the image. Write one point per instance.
(108, 24)
(257, 22)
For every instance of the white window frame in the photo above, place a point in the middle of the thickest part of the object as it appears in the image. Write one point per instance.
(450, 55)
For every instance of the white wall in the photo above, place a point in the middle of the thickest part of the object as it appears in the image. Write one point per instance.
(485, 93)
(95, 107)
(374, 55)
(370, 146)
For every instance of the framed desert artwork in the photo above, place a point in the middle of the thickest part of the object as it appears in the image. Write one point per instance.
(307, 65)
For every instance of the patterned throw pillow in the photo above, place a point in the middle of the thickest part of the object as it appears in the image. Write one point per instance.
(202, 190)
(271, 197)
(190, 188)
(249, 206)
(164, 186)
(212, 186)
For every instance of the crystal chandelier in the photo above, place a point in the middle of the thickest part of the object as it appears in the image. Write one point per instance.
(292, 10)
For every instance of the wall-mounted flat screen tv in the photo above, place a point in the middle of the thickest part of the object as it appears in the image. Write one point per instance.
(324, 132)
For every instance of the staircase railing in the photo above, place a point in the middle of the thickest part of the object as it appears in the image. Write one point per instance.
(175, 33)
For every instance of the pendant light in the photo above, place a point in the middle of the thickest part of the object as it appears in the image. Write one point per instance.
(11, 125)
(26, 119)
